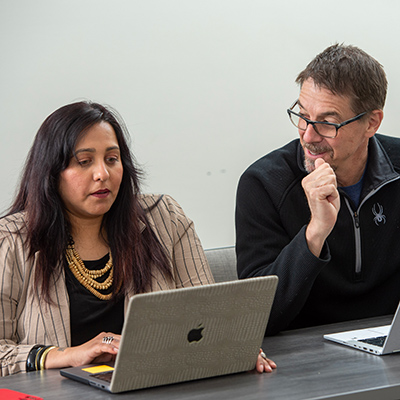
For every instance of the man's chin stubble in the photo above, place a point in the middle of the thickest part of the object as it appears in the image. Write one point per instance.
(309, 165)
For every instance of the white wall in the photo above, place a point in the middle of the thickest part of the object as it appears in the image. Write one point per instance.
(202, 84)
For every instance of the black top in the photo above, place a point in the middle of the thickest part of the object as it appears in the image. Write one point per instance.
(90, 315)
(358, 272)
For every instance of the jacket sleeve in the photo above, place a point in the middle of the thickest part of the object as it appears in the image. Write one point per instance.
(264, 247)
(178, 236)
(190, 262)
(13, 355)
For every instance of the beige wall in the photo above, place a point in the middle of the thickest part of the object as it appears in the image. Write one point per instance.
(202, 84)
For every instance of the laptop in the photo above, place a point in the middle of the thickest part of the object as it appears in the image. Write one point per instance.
(378, 340)
(186, 334)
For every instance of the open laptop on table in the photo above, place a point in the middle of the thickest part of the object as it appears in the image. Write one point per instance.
(378, 340)
(185, 334)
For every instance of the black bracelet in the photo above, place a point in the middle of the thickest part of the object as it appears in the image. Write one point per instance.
(39, 355)
(32, 357)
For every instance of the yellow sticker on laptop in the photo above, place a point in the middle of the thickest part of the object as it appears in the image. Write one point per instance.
(98, 369)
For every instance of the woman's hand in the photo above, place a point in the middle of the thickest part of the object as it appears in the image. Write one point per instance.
(102, 348)
(264, 364)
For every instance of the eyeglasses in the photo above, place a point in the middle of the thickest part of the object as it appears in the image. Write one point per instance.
(323, 128)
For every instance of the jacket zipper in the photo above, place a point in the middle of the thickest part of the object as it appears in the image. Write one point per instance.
(357, 237)
(356, 224)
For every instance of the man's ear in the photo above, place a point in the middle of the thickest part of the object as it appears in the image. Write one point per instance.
(375, 118)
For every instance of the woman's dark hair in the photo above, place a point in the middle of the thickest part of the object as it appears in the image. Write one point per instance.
(133, 250)
(350, 71)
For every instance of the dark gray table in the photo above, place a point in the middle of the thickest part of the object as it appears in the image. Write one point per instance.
(308, 368)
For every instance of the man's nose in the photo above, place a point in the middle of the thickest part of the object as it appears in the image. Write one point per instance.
(310, 135)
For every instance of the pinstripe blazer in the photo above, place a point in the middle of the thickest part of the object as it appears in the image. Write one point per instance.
(25, 320)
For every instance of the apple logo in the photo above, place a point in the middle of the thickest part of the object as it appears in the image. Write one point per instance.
(195, 335)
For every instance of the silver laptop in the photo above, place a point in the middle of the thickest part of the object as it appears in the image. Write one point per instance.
(378, 340)
(185, 334)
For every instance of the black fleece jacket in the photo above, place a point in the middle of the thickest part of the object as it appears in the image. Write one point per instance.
(358, 272)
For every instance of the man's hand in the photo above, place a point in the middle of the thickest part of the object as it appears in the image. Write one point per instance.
(320, 187)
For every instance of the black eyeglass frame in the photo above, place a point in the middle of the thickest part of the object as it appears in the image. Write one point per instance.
(314, 123)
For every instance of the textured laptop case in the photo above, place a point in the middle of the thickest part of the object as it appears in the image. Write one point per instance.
(186, 334)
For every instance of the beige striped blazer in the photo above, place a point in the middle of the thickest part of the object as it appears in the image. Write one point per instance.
(25, 320)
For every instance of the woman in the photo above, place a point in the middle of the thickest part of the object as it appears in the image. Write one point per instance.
(79, 199)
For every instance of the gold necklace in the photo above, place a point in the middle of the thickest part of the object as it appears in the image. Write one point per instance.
(86, 277)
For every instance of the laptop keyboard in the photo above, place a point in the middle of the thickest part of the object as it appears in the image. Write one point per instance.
(104, 376)
(376, 341)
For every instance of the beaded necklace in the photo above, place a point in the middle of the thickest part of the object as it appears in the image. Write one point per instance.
(87, 277)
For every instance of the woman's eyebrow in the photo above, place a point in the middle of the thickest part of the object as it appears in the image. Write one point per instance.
(87, 150)
(93, 150)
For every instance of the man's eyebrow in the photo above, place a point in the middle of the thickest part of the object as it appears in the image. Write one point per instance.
(325, 114)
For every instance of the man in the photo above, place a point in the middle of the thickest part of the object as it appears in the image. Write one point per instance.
(323, 212)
